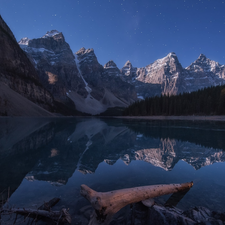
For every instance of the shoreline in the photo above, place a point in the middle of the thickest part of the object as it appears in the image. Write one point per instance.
(192, 118)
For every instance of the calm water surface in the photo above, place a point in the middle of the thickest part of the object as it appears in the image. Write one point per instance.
(41, 159)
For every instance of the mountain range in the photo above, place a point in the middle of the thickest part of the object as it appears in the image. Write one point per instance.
(43, 77)
(79, 76)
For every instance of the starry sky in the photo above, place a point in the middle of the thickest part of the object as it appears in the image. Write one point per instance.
(140, 31)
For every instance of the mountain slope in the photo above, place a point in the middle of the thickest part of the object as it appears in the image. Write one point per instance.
(55, 64)
(94, 88)
(18, 73)
(14, 104)
(203, 73)
(163, 75)
(104, 89)
(78, 77)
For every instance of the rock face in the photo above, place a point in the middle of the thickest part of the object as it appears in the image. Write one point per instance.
(18, 73)
(129, 72)
(159, 214)
(78, 76)
(161, 77)
(55, 63)
(138, 214)
(93, 88)
(167, 76)
(104, 84)
(112, 69)
(203, 73)
(164, 72)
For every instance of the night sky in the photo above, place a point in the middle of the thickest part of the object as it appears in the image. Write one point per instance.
(140, 31)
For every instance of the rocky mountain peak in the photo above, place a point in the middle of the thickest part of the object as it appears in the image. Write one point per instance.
(54, 34)
(87, 56)
(24, 41)
(172, 54)
(164, 73)
(202, 73)
(84, 51)
(202, 57)
(53, 41)
(54, 61)
(128, 64)
(129, 70)
(171, 57)
(202, 60)
(204, 64)
(81, 51)
(170, 63)
(51, 33)
(110, 64)
(111, 68)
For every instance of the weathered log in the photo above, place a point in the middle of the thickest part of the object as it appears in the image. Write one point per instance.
(106, 204)
(62, 215)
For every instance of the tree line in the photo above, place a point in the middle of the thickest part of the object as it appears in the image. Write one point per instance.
(207, 101)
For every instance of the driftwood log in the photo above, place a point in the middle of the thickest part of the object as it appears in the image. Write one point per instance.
(44, 211)
(53, 215)
(106, 204)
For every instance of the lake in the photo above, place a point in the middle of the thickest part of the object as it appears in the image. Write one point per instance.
(41, 159)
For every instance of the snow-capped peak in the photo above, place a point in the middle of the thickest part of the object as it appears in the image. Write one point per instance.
(163, 61)
(166, 58)
(202, 57)
(83, 51)
(127, 64)
(24, 41)
(51, 33)
(204, 64)
(110, 64)
(172, 54)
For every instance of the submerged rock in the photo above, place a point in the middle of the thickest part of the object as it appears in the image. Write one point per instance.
(138, 214)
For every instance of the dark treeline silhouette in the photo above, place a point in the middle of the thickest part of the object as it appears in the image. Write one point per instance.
(207, 101)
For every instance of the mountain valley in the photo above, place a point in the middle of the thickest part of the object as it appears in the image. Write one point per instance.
(47, 78)
(100, 87)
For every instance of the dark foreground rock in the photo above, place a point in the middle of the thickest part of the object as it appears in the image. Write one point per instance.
(138, 214)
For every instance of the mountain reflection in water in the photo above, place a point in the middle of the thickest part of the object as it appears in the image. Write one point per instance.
(52, 158)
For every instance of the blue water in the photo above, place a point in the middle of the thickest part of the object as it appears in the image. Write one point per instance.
(41, 159)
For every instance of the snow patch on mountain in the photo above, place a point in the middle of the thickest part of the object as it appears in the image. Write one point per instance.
(140, 97)
(24, 41)
(51, 33)
(36, 50)
(163, 60)
(88, 89)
